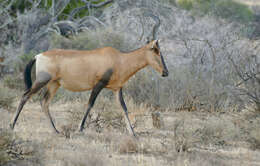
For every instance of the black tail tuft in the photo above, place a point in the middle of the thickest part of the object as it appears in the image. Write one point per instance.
(27, 74)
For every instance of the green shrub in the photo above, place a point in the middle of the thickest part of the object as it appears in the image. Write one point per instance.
(234, 11)
(14, 81)
(172, 2)
(23, 5)
(23, 60)
(227, 9)
(6, 97)
(203, 6)
(185, 4)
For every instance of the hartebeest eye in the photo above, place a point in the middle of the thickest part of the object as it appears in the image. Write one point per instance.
(156, 50)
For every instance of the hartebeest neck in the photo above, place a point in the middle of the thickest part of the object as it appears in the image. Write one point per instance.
(134, 61)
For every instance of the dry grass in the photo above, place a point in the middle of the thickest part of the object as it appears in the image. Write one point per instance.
(14, 81)
(14, 150)
(164, 138)
(128, 145)
(7, 97)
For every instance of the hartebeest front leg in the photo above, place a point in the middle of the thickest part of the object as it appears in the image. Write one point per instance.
(97, 89)
(122, 102)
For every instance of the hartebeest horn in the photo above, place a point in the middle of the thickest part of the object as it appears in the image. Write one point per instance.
(156, 26)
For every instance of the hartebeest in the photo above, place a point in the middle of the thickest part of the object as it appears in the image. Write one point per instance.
(88, 70)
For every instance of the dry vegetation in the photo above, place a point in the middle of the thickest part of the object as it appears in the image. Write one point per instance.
(205, 113)
(197, 138)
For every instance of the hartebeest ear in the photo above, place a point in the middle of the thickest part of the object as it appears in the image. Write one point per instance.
(154, 44)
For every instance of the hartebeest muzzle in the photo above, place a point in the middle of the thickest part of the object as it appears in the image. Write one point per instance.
(165, 72)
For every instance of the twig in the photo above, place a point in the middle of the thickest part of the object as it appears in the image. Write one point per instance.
(88, 5)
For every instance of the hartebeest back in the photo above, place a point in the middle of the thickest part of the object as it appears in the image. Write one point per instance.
(88, 70)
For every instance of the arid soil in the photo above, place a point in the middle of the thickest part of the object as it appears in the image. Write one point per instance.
(164, 137)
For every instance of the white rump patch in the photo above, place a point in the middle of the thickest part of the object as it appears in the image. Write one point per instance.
(41, 63)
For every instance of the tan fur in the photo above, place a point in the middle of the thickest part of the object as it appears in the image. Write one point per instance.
(81, 70)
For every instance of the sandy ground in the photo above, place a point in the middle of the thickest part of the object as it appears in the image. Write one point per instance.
(171, 138)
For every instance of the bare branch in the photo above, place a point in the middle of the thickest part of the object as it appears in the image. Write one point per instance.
(10, 20)
(211, 49)
(35, 4)
(64, 27)
(249, 77)
(101, 4)
(59, 8)
(7, 7)
(88, 18)
(88, 5)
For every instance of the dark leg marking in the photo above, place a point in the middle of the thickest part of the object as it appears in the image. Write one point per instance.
(37, 85)
(96, 90)
(24, 99)
(45, 106)
(52, 87)
(122, 102)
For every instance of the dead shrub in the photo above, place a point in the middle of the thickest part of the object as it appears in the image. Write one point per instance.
(182, 137)
(128, 145)
(90, 40)
(5, 142)
(255, 138)
(15, 150)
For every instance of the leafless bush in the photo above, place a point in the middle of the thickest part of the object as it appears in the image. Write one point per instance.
(90, 40)
(246, 65)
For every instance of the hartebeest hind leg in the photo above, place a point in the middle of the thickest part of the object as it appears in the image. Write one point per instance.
(52, 87)
(122, 102)
(41, 80)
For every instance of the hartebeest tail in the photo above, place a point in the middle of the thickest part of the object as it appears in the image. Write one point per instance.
(88, 70)
(27, 74)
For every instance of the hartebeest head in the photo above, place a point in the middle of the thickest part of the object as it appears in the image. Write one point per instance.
(153, 54)
(155, 59)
